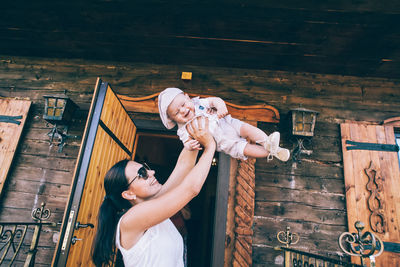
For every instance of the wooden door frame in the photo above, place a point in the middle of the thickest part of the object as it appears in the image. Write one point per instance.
(221, 198)
(235, 200)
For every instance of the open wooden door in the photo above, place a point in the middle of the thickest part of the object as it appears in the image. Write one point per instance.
(109, 137)
(371, 171)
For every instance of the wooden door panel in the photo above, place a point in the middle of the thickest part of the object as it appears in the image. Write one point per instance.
(109, 137)
(382, 168)
(106, 152)
(114, 116)
(10, 132)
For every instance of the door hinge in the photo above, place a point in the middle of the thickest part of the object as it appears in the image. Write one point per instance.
(352, 145)
(10, 119)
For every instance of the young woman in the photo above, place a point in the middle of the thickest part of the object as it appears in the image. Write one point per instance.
(134, 216)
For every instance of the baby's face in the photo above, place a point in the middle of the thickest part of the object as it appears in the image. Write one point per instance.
(181, 109)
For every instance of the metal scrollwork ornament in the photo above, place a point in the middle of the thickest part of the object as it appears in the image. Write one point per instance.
(288, 238)
(360, 244)
(41, 214)
(376, 200)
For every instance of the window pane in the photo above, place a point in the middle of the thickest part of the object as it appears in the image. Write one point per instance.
(52, 102)
(50, 112)
(299, 127)
(58, 112)
(60, 103)
(307, 127)
(308, 118)
(299, 117)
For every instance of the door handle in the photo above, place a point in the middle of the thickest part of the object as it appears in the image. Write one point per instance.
(74, 239)
(81, 225)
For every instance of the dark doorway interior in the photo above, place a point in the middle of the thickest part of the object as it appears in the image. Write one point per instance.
(161, 152)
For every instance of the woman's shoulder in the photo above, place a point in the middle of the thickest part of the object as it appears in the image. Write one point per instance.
(141, 238)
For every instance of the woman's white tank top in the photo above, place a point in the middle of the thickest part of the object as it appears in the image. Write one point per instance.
(160, 246)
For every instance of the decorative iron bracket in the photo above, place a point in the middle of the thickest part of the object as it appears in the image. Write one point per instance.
(363, 245)
(376, 201)
(13, 235)
(61, 135)
(288, 238)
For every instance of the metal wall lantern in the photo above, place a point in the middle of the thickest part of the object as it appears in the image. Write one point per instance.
(303, 121)
(59, 111)
(303, 125)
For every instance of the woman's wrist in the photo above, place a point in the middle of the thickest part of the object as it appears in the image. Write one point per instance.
(210, 146)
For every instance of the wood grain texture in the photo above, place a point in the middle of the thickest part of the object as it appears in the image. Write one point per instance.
(10, 133)
(386, 166)
(336, 37)
(338, 98)
(105, 153)
(244, 213)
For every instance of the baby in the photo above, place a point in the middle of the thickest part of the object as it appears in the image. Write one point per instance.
(230, 134)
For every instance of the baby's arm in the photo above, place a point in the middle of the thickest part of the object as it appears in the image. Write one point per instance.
(219, 105)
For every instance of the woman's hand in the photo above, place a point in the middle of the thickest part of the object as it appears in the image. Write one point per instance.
(198, 130)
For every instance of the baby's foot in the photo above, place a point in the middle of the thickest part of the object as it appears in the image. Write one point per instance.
(271, 142)
(273, 145)
(282, 154)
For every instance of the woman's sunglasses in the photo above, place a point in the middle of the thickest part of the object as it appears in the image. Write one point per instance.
(142, 173)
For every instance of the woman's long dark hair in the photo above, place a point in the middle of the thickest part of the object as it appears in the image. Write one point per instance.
(110, 212)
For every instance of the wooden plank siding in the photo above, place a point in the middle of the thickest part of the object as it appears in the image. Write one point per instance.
(336, 37)
(309, 196)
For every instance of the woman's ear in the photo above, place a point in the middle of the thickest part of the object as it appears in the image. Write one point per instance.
(128, 195)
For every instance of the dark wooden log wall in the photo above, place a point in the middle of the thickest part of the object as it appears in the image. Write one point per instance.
(308, 196)
(337, 36)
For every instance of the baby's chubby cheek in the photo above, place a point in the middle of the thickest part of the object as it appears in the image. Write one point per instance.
(190, 115)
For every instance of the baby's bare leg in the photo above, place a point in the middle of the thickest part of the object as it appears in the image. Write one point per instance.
(255, 151)
(252, 133)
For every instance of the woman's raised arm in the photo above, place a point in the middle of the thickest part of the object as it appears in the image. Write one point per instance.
(153, 211)
(185, 163)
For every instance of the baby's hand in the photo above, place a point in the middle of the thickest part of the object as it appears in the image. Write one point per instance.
(211, 111)
(192, 145)
(222, 112)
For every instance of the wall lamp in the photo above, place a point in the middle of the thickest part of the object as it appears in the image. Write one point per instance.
(303, 125)
(59, 111)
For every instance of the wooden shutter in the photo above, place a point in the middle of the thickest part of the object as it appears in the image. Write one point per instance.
(366, 169)
(13, 115)
(109, 137)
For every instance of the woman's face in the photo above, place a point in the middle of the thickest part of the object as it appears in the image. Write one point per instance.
(143, 188)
